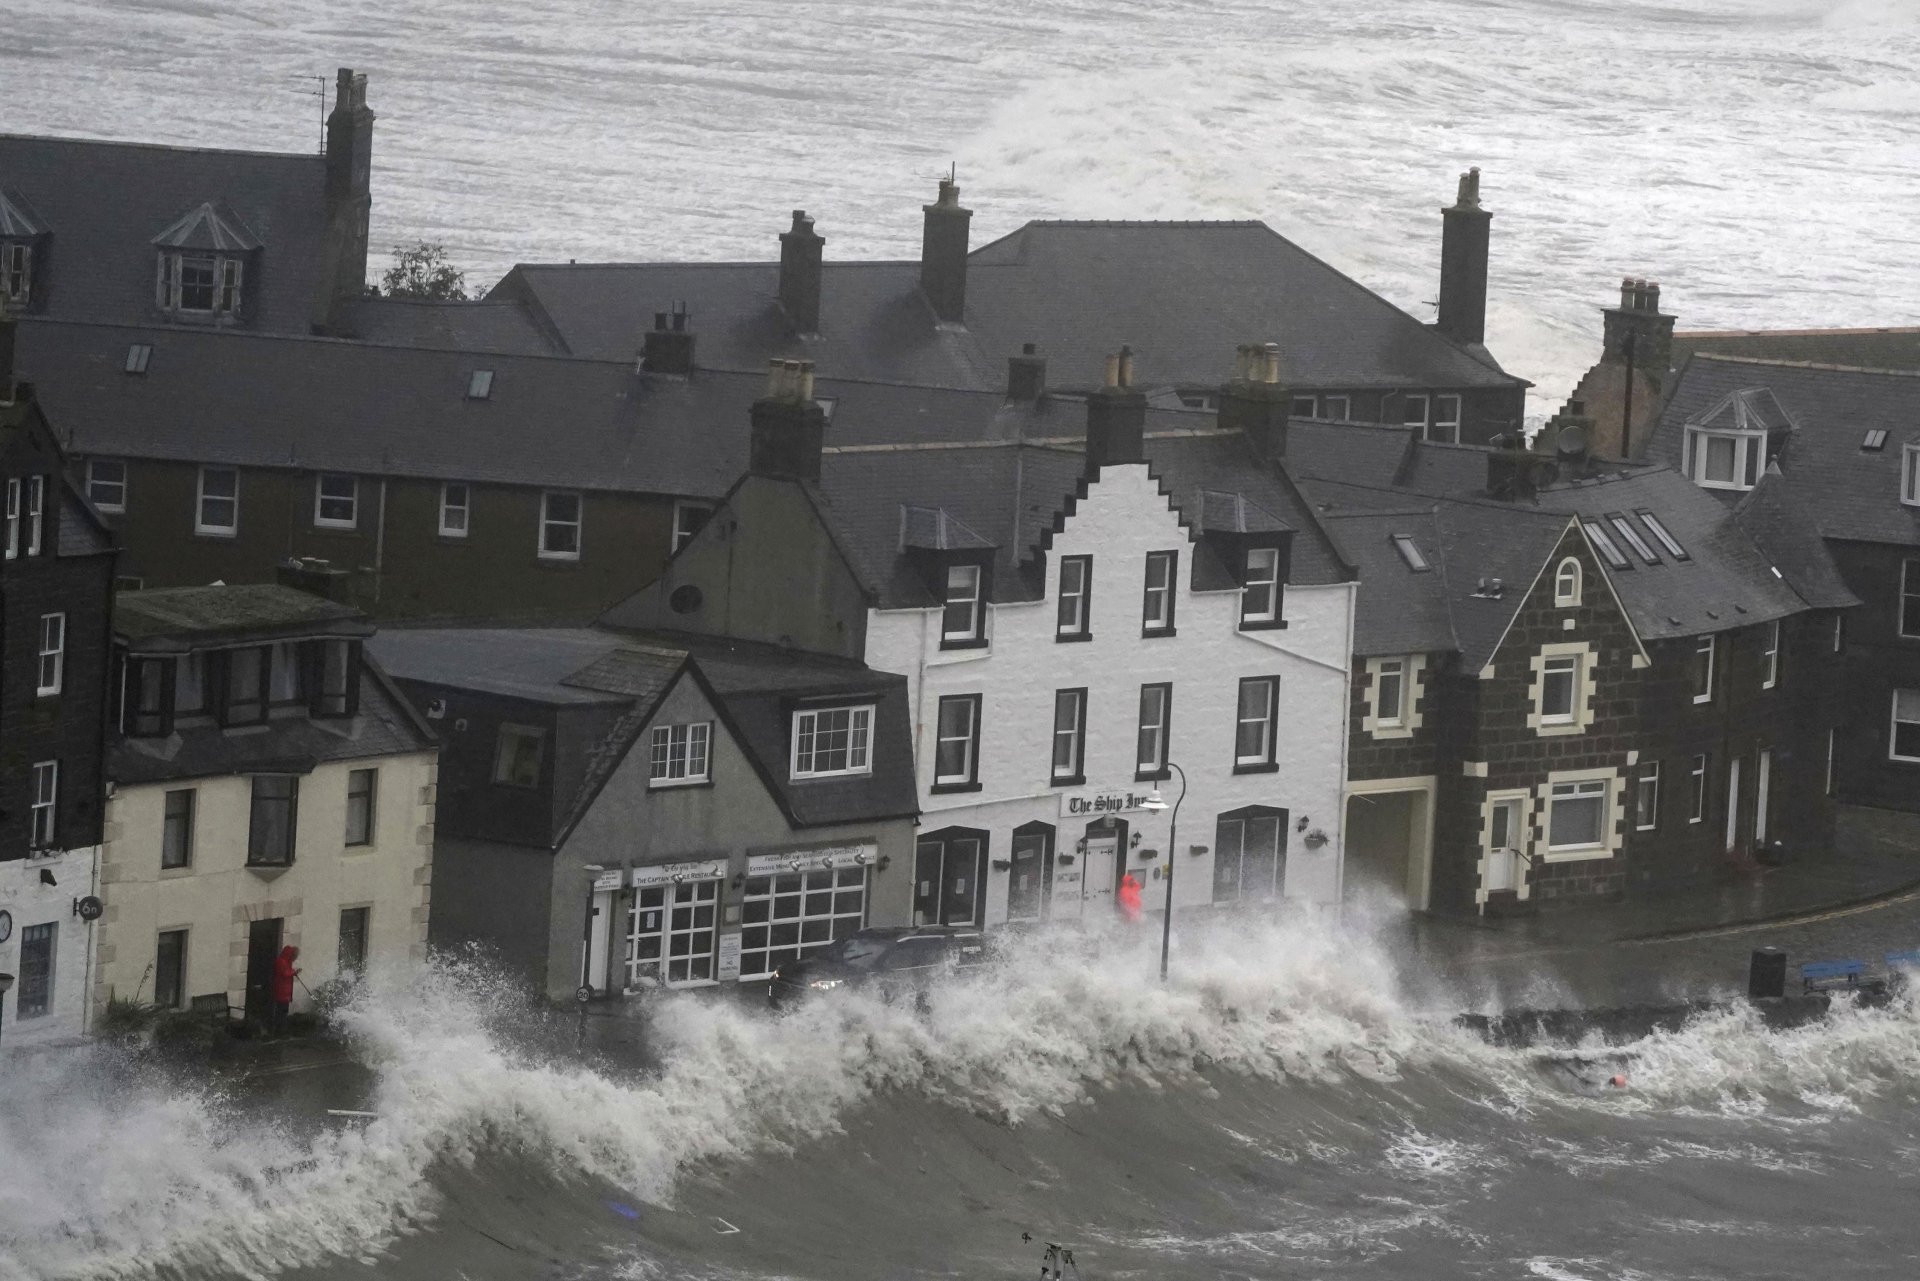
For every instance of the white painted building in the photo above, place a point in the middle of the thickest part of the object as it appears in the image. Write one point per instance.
(46, 944)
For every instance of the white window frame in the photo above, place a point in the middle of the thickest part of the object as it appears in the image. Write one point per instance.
(43, 825)
(1579, 789)
(674, 751)
(1702, 785)
(1749, 453)
(1910, 474)
(96, 484)
(321, 498)
(1772, 655)
(1568, 666)
(1262, 576)
(1446, 419)
(1647, 785)
(36, 513)
(683, 531)
(1912, 717)
(965, 586)
(1566, 583)
(1394, 717)
(1710, 646)
(53, 654)
(13, 517)
(452, 526)
(16, 271)
(859, 739)
(1417, 411)
(1328, 411)
(1909, 597)
(1156, 602)
(969, 772)
(1268, 721)
(1603, 542)
(780, 889)
(202, 498)
(1082, 616)
(549, 523)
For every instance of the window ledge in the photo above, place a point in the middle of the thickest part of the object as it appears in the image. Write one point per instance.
(557, 562)
(1559, 730)
(1262, 767)
(1152, 776)
(1263, 624)
(1151, 633)
(673, 784)
(1582, 854)
(1067, 638)
(942, 789)
(972, 642)
(269, 871)
(1069, 780)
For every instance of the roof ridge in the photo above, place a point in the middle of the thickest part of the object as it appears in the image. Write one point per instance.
(162, 146)
(1803, 364)
(1795, 333)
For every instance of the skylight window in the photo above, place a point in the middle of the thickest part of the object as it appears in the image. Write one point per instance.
(1876, 439)
(480, 385)
(1633, 538)
(1410, 553)
(1659, 531)
(1605, 544)
(137, 357)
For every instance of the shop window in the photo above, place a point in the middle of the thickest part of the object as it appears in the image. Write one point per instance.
(794, 914)
(351, 954)
(1030, 879)
(1249, 855)
(34, 997)
(950, 867)
(672, 933)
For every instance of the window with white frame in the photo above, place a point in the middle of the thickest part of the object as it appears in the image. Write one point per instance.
(1725, 459)
(217, 511)
(1646, 798)
(1417, 411)
(1910, 475)
(688, 519)
(1390, 694)
(336, 501)
(1446, 420)
(1770, 660)
(107, 483)
(1909, 604)
(1260, 593)
(200, 283)
(1625, 529)
(53, 653)
(1703, 669)
(956, 751)
(1075, 617)
(16, 271)
(1257, 709)
(559, 525)
(787, 916)
(677, 754)
(832, 740)
(963, 611)
(1156, 719)
(36, 513)
(1697, 777)
(1576, 815)
(46, 805)
(1156, 602)
(1069, 736)
(1566, 583)
(1905, 743)
(1334, 408)
(1603, 541)
(456, 509)
(13, 517)
(1559, 689)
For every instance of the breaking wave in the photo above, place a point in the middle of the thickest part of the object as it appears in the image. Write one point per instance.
(143, 1179)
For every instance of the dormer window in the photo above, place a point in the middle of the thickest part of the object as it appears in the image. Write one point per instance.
(1260, 588)
(1725, 459)
(1910, 475)
(202, 265)
(964, 612)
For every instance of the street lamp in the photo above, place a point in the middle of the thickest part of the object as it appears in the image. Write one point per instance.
(1156, 803)
(6, 986)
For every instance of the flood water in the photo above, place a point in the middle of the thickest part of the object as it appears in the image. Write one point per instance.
(1759, 157)
(1277, 1111)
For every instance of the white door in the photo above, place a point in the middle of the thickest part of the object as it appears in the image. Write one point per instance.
(1733, 801)
(1097, 878)
(1762, 781)
(1503, 845)
(599, 942)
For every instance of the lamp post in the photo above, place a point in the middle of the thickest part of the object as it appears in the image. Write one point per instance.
(1156, 803)
(6, 986)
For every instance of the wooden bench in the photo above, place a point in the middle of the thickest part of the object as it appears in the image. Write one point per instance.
(1831, 976)
(214, 1006)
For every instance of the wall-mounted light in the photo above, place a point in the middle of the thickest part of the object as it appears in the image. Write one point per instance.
(1300, 824)
(739, 879)
(1134, 841)
(884, 862)
(1002, 864)
(1080, 846)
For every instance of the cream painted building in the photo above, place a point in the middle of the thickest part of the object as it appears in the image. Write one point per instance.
(270, 787)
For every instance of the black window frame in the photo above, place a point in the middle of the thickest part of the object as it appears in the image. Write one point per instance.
(1077, 774)
(1161, 770)
(224, 688)
(33, 999)
(176, 852)
(345, 965)
(1085, 596)
(970, 782)
(170, 990)
(1269, 763)
(143, 675)
(975, 634)
(259, 814)
(1168, 626)
(332, 694)
(370, 817)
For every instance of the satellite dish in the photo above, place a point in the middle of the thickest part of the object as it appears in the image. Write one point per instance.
(89, 908)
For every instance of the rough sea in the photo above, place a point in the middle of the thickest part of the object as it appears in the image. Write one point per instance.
(1283, 1109)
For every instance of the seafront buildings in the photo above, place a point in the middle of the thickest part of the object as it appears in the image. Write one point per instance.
(653, 623)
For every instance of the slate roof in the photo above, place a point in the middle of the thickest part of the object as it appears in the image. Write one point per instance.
(104, 203)
(534, 663)
(1850, 493)
(80, 531)
(182, 617)
(1866, 348)
(1182, 294)
(505, 327)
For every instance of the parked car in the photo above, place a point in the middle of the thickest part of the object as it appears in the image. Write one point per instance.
(895, 961)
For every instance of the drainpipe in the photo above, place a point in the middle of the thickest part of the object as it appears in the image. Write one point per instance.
(380, 542)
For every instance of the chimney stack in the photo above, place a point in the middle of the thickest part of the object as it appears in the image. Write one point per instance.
(800, 274)
(668, 346)
(348, 200)
(1255, 402)
(1116, 418)
(1636, 332)
(943, 255)
(1026, 374)
(789, 428)
(1463, 265)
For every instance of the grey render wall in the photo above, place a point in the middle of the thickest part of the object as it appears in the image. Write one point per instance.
(766, 570)
(498, 896)
(732, 817)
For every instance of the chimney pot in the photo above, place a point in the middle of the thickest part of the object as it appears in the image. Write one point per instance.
(1113, 371)
(1253, 403)
(1126, 367)
(1270, 363)
(788, 427)
(668, 347)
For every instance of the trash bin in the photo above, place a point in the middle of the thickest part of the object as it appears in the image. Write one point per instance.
(1767, 974)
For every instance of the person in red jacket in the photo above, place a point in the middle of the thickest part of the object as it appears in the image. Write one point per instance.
(1130, 899)
(284, 973)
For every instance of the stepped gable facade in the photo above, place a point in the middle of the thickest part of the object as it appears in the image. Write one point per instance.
(1834, 450)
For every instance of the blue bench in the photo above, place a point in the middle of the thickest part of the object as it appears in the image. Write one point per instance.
(1908, 960)
(1829, 976)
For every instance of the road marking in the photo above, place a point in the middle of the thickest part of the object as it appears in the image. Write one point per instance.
(725, 1229)
(371, 1116)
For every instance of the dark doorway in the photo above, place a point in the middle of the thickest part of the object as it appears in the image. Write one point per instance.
(1030, 883)
(949, 868)
(263, 944)
(1250, 855)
